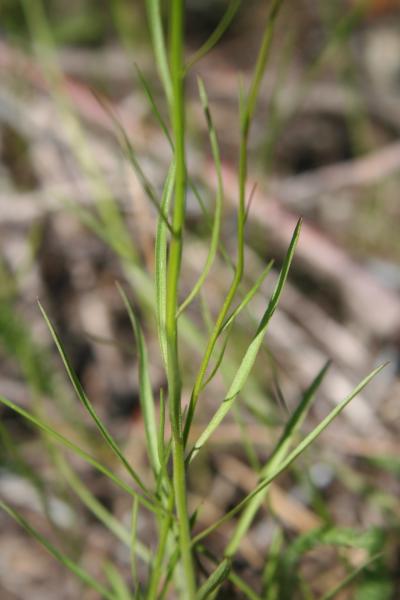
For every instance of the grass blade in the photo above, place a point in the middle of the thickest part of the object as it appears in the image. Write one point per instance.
(46, 428)
(249, 296)
(153, 105)
(216, 228)
(60, 556)
(161, 252)
(135, 545)
(157, 34)
(281, 450)
(216, 35)
(307, 441)
(215, 580)
(131, 155)
(146, 392)
(250, 356)
(88, 405)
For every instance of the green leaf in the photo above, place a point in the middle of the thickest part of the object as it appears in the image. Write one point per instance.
(154, 108)
(280, 452)
(60, 556)
(307, 441)
(215, 233)
(88, 405)
(161, 245)
(249, 296)
(157, 34)
(135, 545)
(250, 356)
(350, 578)
(215, 580)
(43, 426)
(146, 392)
(216, 35)
(131, 155)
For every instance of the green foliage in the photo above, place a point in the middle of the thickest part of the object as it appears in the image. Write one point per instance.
(173, 564)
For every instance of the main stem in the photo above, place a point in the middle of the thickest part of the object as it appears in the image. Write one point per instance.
(173, 273)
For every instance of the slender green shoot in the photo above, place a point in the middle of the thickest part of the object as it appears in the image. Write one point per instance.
(250, 356)
(160, 52)
(135, 545)
(46, 428)
(177, 108)
(161, 252)
(280, 452)
(215, 581)
(307, 441)
(246, 115)
(215, 233)
(88, 405)
(216, 35)
(146, 392)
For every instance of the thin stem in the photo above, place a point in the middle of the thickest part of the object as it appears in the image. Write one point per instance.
(173, 273)
(247, 112)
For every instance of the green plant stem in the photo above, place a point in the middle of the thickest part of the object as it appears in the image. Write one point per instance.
(173, 273)
(247, 113)
(157, 570)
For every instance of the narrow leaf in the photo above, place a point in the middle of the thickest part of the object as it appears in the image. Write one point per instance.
(216, 228)
(161, 245)
(281, 450)
(250, 356)
(43, 426)
(146, 392)
(216, 35)
(249, 296)
(307, 441)
(135, 545)
(157, 34)
(215, 580)
(88, 405)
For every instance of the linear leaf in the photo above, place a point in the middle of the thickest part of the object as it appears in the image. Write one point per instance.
(161, 245)
(281, 450)
(146, 392)
(152, 103)
(157, 34)
(43, 426)
(131, 155)
(88, 405)
(306, 442)
(249, 296)
(215, 580)
(250, 356)
(216, 228)
(135, 545)
(216, 35)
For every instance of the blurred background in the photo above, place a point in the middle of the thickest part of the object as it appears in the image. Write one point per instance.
(74, 218)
